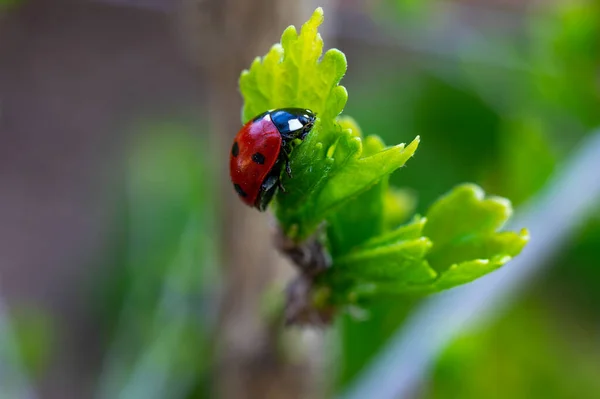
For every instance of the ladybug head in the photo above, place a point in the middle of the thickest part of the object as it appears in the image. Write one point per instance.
(293, 123)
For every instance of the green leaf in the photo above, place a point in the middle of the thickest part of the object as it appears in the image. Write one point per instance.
(352, 174)
(362, 217)
(462, 226)
(456, 243)
(396, 258)
(291, 75)
(357, 221)
(468, 271)
(399, 261)
(409, 231)
(344, 174)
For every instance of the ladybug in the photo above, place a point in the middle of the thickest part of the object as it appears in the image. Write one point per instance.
(261, 149)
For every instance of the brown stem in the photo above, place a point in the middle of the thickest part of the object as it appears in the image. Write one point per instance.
(311, 259)
(225, 36)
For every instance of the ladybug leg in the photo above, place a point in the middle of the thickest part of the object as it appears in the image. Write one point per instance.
(288, 169)
(280, 185)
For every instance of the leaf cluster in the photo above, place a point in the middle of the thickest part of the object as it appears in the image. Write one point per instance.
(340, 186)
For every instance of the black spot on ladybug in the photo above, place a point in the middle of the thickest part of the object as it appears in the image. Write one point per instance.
(235, 149)
(258, 158)
(239, 190)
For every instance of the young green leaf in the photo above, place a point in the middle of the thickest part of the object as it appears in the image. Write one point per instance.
(291, 75)
(409, 231)
(363, 216)
(463, 244)
(463, 224)
(402, 261)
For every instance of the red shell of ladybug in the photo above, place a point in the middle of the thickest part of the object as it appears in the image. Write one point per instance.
(261, 149)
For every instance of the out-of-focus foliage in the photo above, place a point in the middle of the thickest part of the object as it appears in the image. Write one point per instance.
(522, 98)
(566, 54)
(528, 353)
(162, 301)
(35, 335)
(577, 272)
(8, 4)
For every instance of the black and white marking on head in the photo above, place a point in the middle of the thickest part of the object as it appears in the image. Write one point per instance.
(235, 149)
(295, 124)
(239, 190)
(258, 158)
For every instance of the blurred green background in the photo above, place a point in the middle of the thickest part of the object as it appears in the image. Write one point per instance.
(117, 215)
